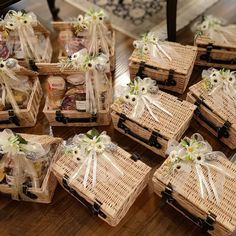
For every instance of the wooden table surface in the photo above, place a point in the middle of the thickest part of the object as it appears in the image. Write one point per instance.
(66, 216)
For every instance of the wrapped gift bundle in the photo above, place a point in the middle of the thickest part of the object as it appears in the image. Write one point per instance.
(24, 38)
(79, 91)
(101, 175)
(215, 97)
(169, 64)
(216, 43)
(149, 116)
(200, 183)
(92, 31)
(20, 93)
(25, 166)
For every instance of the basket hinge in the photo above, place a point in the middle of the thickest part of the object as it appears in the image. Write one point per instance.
(13, 119)
(207, 56)
(204, 224)
(168, 82)
(222, 131)
(32, 65)
(63, 119)
(94, 208)
(152, 141)
(135, 156)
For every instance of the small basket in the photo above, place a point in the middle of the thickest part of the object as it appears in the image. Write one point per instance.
(146, 131)
(27, 117)
(73, 118)
(63, 25)
(45, 193)
(170, 75)
(221, 122)
(216, 219)
(110, 201)
(212, 54)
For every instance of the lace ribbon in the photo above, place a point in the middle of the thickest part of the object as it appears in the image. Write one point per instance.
(93, 150)
(23, 154)
(195, 154)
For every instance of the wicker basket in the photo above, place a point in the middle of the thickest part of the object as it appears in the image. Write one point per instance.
(27, 117)
(108, 200)
(45, 193)
(146, 131)
(217, 219)
(62, 25)
(219, 121)
(73, 118)
(212, 54)
(172, 75)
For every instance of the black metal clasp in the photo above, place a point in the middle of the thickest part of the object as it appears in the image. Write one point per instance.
(152, 141)
(94, 208)
(13, 119)
(32, 65)
(135, 157)
(65, 120)
(207, 56)
(168, 82)
(222, 131)
(204, 224)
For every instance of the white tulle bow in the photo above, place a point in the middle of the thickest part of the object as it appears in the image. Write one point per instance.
(195, 154)
(93, 151)
(23, 153)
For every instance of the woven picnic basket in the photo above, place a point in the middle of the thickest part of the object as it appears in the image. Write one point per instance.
(171, 75)
(219, 120)
(217, 219)
(45, 193)
(70, 117)
(66, 25)
(146, 131)
(110, 200)
(215, 54)
(27, 117)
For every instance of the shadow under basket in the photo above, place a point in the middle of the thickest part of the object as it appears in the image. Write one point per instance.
(216, 219)
(109, 200)
(43, 194)
(27, 117)
(63, 25)
(215, 54)
(218, 119)
(150, 133)
(171, 75)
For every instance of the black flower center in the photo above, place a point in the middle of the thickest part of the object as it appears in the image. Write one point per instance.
(199, 158)
(178, 167)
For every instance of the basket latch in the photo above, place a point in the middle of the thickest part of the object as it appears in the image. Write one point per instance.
(135, 157)
(152, 141)
(94, 208)
(29, 194)
(168, 82)
(207, 56)
(65, 120)
(32, 65)
(13, 119)
(204, 224)
(222, 131)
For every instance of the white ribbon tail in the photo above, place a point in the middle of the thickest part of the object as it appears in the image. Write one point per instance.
(87, 171)
(218, 169)
(149, 109)
(163, 51)
(94, 169)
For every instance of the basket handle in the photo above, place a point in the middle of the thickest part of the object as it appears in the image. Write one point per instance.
(168, 82)
(222, 131)
(205, 224)
(13, 119)
(63, 119)
(152, 141)
(208, 58)
(94, 208)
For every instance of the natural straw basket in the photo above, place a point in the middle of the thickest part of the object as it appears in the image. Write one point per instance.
(219, 120)
(190, 203)
(215, 54)
(70, 117)
(145, 130)
(63, 25)
(170, 75)
(27, 117)
(110, 200)
(45, 193)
